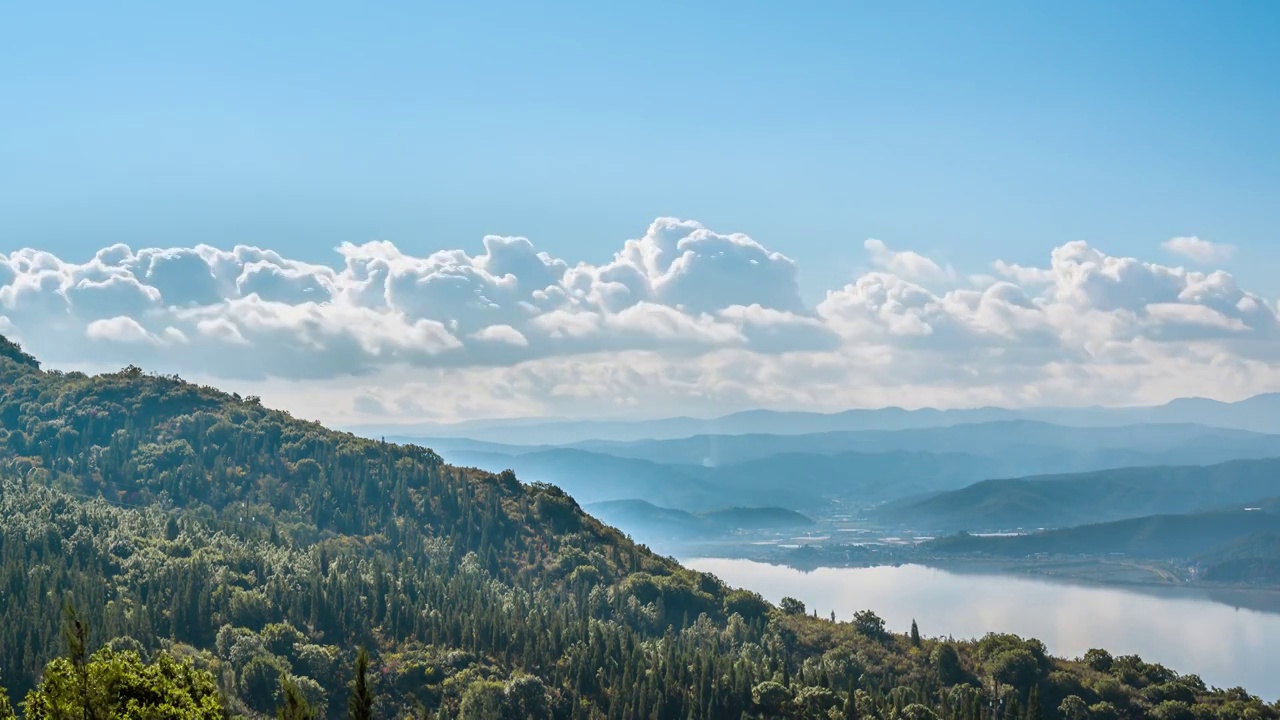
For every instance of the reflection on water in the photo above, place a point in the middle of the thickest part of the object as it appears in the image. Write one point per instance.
(1184, 630)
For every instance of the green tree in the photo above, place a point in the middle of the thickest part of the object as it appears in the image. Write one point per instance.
(526, 697)
(770, 697)
(1103, 711)
(1099, 659)
(1073, 708)
(1034, 711)
(915, 634)
(76, 633)
(295, 705)
(850, 706)
(121, 685)
(483, 700)
(259, 684)
(916, 711)
(791, 606)
(360, 702)
(869, 624)
(1012, 708)
(6, 708)
(1172, 710)
(946, 664)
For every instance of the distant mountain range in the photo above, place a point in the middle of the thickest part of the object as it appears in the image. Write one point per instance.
(1259, 414)
(1154, 537)
(1063, 501)
(803, 472)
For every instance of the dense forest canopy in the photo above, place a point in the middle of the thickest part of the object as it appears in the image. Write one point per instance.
(225, 558)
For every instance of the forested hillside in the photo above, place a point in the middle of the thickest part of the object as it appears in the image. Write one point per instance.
(231, 558)
(1154, 536)
(1096, 497)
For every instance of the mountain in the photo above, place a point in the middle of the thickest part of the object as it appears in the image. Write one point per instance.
(218, 558)
(1067, 500)
(1258, 414)
(651, 523)
(1008, 442)
(1156, 537)
(1251, 559)
(594, 478)
(806, 472)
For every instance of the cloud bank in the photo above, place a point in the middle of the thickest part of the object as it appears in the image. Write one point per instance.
(683, 318)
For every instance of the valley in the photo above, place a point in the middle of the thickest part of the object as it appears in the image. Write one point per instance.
(181, 524)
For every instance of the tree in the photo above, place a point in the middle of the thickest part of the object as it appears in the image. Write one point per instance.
(869, 624)
(791, 606)
(6, 708)
(915, 634)
(1017, 668)
(1103, 711)
(526, 697)
(1172, 710)
(1034, 711)
(946, 664)
(1073, 708)
(259, 684)
(483, 700)
(121, 685)
(770, 697)
(76, 633)
(295, 706)
(360, 702)
(1012, 708)
(916, 711)
(850, 706)
(1099, 660)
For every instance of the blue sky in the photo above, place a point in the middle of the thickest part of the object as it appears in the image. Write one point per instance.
(967, 132)
(972, 130)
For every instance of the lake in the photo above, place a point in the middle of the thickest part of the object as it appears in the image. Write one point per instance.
(1181, 628)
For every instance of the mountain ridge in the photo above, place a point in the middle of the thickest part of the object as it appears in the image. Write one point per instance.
(1259, 413)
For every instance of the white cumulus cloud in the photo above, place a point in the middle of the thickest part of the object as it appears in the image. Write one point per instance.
(682, 318)
(1200, 251)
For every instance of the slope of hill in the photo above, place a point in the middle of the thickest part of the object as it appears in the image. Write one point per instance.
(1060, 501)
(1156, 536)
(594, 478)
(647, 521)
(185, 522)
(1251, 559)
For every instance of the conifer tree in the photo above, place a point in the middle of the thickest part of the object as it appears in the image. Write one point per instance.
(1033, 704)
(360, 702)
(295, 705)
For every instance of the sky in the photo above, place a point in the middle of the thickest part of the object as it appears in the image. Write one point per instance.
(435, 212)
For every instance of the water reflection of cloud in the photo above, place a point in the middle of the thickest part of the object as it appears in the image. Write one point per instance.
(1225, 645)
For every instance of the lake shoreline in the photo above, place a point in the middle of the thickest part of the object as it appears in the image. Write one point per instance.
(966, 600)
(1132, 573)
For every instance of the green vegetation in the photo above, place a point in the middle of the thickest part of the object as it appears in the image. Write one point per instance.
(642, 518)
(1061, 501)
(226, 558)
(1157, 537)
(1252, 559)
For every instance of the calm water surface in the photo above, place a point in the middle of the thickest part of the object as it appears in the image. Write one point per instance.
(1184, 630)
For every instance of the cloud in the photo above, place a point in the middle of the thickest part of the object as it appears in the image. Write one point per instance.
(118, 329)
(681, 318)
(1200, 251)
(906, 263)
